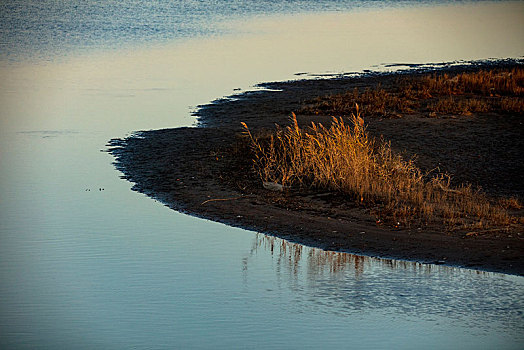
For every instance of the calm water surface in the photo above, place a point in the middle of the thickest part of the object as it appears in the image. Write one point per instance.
(87, 263)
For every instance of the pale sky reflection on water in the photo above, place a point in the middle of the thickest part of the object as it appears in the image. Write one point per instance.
(157, 87)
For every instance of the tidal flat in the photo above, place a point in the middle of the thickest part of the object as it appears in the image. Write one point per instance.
(473, 137)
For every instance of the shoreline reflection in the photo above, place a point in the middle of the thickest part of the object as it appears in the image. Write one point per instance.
(347, 284)
(321, 262)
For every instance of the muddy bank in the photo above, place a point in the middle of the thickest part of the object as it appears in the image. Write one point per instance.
(202, 171)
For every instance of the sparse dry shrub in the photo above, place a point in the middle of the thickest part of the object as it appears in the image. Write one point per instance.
(475, 105)
(344, 158)
(510, 203)
(375, 101)
(512, 104)
(452, 105)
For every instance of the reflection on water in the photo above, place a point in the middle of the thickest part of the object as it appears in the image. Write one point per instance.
(344, 283)
(321, 262)
(113, 269)
(47, 28)
(144, 87)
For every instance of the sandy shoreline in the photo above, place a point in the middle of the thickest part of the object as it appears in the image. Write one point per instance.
(194, 170)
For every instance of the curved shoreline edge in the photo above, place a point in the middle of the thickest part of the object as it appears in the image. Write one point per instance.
(192, 170)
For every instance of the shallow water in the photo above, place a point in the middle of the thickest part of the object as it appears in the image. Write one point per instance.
(47, 29)
(87, 263)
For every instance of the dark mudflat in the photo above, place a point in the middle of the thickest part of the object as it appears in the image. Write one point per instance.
(200, 171)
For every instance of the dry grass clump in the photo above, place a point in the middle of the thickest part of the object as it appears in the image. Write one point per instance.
(496, 90)
(450, 105)
(375, 101)
(494, 82)
(512, 104)
(344, 158)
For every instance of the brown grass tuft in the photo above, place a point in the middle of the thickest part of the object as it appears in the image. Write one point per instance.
(344, 158)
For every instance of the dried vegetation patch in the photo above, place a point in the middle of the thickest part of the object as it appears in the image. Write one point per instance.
(344, 158)
(497, 90)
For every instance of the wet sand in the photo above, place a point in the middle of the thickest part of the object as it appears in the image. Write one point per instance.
(204, 172)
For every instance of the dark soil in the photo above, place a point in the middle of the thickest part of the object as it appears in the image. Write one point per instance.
(205, 172)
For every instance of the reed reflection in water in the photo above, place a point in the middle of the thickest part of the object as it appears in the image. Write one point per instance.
(344, 283)
(322, 262)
